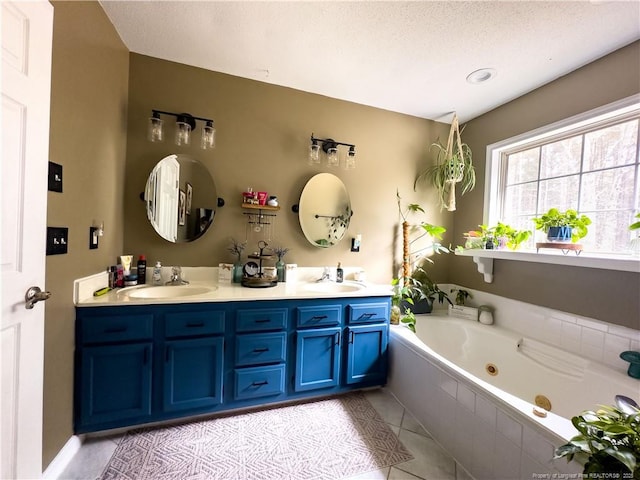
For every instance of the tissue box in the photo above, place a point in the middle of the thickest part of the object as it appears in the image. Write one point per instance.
(460, 311)
(225, 272)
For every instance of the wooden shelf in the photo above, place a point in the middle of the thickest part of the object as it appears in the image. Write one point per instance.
(565, 247)
(251, 206)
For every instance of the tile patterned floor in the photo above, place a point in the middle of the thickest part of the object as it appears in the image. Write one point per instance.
(430, 462)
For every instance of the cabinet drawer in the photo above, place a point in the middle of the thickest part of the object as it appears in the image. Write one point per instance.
(188, 324)
(257, 382)
(116, 328)
(319, 316)
(368, 312)
(261, 319)
(259, 348)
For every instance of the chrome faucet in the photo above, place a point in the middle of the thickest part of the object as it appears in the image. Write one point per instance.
(326, 275)
(176, 277)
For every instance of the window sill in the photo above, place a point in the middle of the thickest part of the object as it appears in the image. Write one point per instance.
(484, 260)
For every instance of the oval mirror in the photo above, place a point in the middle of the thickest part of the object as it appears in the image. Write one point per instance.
(324, 210)
(181, 198)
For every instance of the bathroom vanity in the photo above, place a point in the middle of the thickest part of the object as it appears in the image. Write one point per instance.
(145, 361)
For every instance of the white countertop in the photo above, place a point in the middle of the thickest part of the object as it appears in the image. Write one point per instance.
(229, 293)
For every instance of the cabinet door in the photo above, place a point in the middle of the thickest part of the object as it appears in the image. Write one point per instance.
(317, 359)
(115, 383)
(193, 373)
(367, 353)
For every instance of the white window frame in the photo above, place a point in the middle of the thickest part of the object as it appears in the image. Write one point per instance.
(627, 107)
(491, 212)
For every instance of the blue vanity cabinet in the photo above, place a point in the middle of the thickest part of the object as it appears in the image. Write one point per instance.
(114, 359)
(367, 337)
(193, 359)
(318, 339)
(137, 364)
(260, 354)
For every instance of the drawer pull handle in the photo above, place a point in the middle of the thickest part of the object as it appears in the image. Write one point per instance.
(195, 325)
(351, 335)
(319, 317)
(263, 320)
(337, 338)
(260, 350)
(259, 384)
(367, 315)
(115, 330)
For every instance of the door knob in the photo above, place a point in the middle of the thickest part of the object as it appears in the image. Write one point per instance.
(33, 296)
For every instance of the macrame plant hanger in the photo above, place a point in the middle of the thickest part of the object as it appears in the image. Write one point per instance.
(455, 163)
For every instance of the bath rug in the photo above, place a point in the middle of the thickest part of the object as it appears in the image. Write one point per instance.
(320, 440)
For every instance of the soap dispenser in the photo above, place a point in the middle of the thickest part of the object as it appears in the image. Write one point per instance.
(157, 274)
(339, 274)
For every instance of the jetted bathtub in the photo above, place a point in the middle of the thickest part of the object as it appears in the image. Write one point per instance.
(474, 387)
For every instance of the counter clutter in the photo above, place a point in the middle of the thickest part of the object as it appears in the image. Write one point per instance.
(204, 287)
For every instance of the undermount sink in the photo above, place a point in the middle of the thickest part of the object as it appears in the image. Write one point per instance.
(169, 291)
(332, 287)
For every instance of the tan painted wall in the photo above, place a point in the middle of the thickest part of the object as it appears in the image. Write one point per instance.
(263, 134)
(607, 295)
(88, 138)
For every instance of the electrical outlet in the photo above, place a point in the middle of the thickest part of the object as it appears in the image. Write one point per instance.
(57, 240)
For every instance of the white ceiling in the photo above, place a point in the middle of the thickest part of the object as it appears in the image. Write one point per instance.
(408, 57)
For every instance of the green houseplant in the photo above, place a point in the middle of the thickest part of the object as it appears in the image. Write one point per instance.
(563, 226)
(453, 165)
(610, 437)
(415, 287)
(502, 234)
(635, 242)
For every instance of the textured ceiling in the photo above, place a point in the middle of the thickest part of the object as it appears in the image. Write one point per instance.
(408, 57)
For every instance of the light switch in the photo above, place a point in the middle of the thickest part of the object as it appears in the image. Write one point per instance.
(55, 177)
(93, 237)
(57, 240)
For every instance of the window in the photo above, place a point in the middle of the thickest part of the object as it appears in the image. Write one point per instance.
(589, 163)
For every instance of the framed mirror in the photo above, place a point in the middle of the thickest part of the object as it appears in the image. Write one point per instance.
(181, 198)
(324, 210)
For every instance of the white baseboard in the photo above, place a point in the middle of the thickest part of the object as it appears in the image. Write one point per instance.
(63, 458)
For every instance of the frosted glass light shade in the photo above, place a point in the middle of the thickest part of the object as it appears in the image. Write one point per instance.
(332, 157)
(208, 139)
(155, 130)
(314, 154)
(183, 133)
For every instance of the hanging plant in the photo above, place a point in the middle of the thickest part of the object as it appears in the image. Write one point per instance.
(453, 165)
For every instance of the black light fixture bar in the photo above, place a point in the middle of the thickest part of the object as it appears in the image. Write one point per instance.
(182, 117)
(328, 143)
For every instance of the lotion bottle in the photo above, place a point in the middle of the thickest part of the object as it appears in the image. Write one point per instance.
(339, 274)
(157, 274)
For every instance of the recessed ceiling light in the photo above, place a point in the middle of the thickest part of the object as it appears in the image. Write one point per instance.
(481, 76)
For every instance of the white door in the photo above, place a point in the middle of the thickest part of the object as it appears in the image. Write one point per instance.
(27, 29)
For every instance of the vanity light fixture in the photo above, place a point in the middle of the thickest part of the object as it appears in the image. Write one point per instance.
(330, 147)
(185, 123)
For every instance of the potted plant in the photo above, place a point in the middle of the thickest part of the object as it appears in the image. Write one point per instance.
(611, 439)
(237, 248)
(411, 288)
(461, 296)
(500, 236)
(453, 165)
(563, 226)
(280, 252)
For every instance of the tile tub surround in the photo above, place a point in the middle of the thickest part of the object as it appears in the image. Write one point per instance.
(487, 436)
(588, 337)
